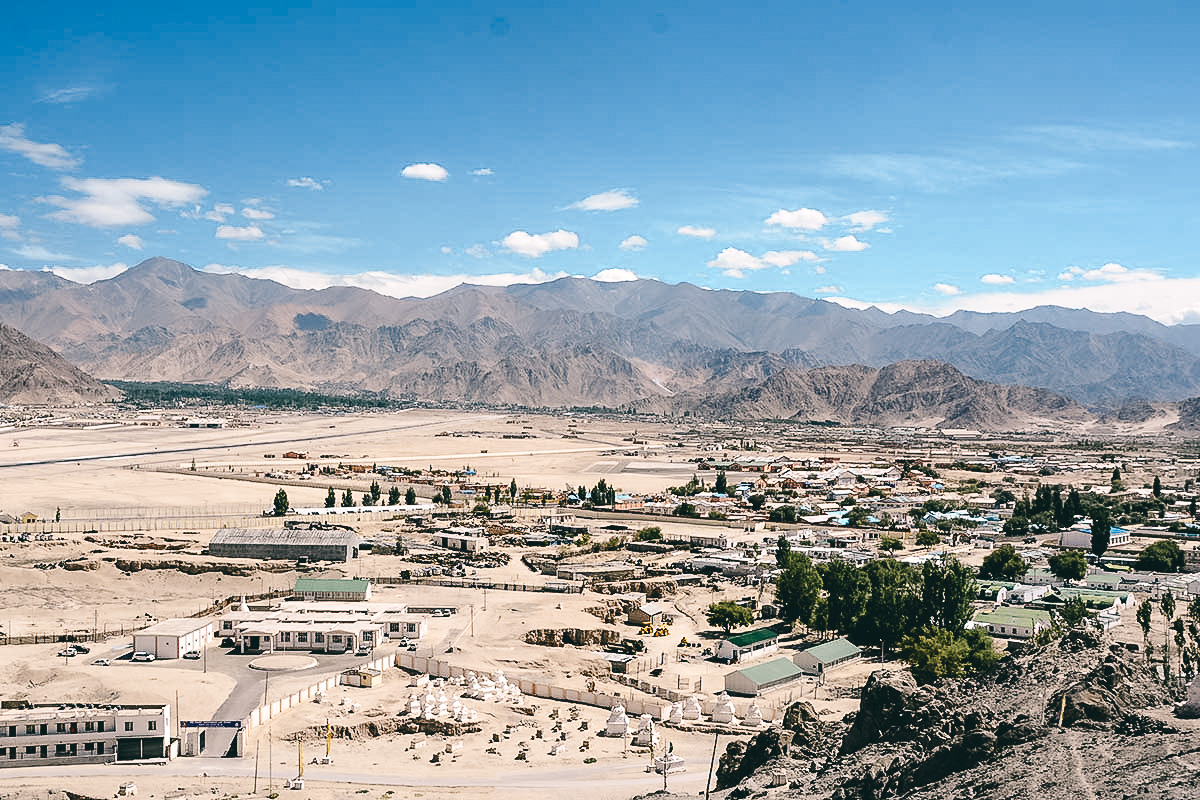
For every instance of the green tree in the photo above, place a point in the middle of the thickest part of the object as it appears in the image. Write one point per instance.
(756, 501)
(891, 612)
(947, 591)
(1074, 612)
(330, 498)
(447, 495)
(347, 499)
(393, 496)
(847, 590)
(376, 492)
(686, 509)
(1016, 526)
(783, 551)
(1069, 565)
(1003, 563)
(1101, 531)
(890, 544)
(512, 491)
(281, 503)
(784, 514)
(650, 534)
(938, 653)
(928, 538)
(367, 499)
(1162, 556)
(410, 497)
(1167, 604)
(1117, 484)
(1157, 487)
(797, 589)
(857, 516)
(1145, 610)
(728, 615)
(721, 486)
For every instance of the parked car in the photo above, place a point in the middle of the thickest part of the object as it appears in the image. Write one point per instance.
(68, 653)
(142, 655)
(78, 648)
(192, 654)
(101, 662)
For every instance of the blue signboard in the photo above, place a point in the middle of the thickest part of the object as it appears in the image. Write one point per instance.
(210, 723)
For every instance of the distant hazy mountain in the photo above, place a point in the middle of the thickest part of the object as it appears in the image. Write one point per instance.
(33, 374)
(574, 341)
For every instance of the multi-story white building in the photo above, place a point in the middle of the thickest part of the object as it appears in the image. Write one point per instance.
(52, 734)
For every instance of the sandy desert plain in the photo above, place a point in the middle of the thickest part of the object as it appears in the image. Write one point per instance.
(102, 475)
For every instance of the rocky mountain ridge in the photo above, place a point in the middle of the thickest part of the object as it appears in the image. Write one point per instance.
(33, 374)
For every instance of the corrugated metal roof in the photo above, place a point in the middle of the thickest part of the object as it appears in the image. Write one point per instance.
(331, 585)
(752, 637)
(771, 672)
(836, 650)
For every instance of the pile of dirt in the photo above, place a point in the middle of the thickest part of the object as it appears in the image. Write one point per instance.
(1075, 718)
(579, 637)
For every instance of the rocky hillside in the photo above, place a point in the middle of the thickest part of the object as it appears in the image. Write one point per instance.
(33, 374)
(1075, 719)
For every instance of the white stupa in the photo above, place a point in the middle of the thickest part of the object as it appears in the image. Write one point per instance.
(647, 732)
(754, 717)
(618, 722)
(676, 715)
(691, 707)
(724, 712)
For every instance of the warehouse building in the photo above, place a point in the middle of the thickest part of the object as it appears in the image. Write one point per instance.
(288, 544)
(171, 638)
(751, 681)
(51, 734)
(819, 659)
(344, 589)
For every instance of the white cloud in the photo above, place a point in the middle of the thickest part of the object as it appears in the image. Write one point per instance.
(634, 243)
(54, 156)
(100, 272)
(536, 245)
(250, 233)
(735, 263)
(615, 275)
(257, 213)
(947, 289)
(387, 283)
(699, 233)
(831, 289)
(112, 202)
(306, 183)
(447, 250)
(785, 258)
(9, 227)
(846, 244)
(477, 251)
(131, 241)
(1136, 291)
(35, 252)
(71, 94)
(612, 200)
(1109, 273)
(993, 279)
(425, 172)
(482, 171)
(820, 270)
(220, 212)
(807, 219)
(866, 220)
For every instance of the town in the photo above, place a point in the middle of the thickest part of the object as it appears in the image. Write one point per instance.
(469, 593)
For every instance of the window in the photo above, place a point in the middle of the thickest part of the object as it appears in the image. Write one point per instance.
(285, 636)
(152, 725)
(60, 727)
(319, 638)
(128, 726)
(89, 726)
(30, 750)
(30, 730)
(394, 627)
(302, 636)
(89, 747)
(60, 749)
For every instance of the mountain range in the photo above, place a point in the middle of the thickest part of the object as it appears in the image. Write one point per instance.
(577, 342)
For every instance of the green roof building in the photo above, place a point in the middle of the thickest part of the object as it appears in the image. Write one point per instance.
(819, 659)
(741, 646)
(345, 589)
(751, 681)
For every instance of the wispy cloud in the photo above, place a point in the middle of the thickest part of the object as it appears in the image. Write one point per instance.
(612, 200)
(307, 183)
(131, 241)
(248, 233)
(425, 172)
(10, 227)
(865, 220)
(830, 289)
(633, 243)
(941, 172)
(1095, 138)
(536, 245)
(35, 252)
(251, 212)
(68, 95)
(112, 202)
(735, 263)
(994, 279)
(696, 232)
(46, 154)
(482, 171)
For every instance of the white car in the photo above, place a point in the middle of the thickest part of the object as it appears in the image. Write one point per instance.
(102, 662)
(142, 655)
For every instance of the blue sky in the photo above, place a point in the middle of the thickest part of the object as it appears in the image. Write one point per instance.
(926, 155)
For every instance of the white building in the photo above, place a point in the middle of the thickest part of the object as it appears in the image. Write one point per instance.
(171, 638)
(73, 733)
(469, 540)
